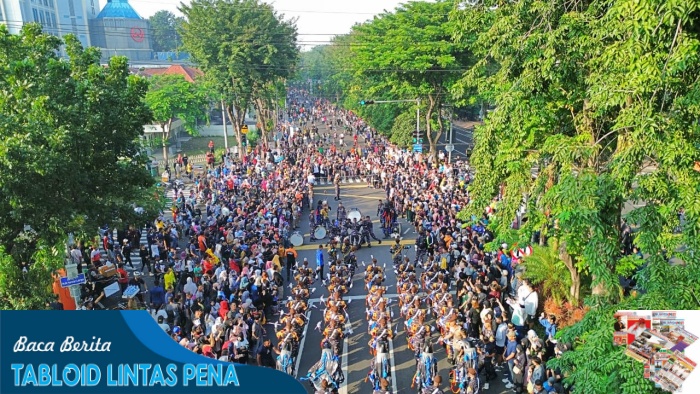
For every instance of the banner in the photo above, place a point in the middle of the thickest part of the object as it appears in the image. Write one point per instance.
(666, 342)
(115, 352)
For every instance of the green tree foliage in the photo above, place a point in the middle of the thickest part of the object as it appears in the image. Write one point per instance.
(242, 46)
(403, 131)
(545, 269)
(410, 53)
(601, 99)
(70, 153)
(164, 31)
(171, 97)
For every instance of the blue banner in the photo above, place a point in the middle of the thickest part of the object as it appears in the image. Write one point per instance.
(78, 280)
(115, 352)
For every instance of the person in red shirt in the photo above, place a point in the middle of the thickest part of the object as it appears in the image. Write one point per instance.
(123, 278)
(202, 240)
(207, 266)
(211, 146)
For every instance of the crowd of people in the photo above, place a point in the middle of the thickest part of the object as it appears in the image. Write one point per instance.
(224, 267)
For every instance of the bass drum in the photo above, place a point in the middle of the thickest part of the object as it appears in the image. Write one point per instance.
(355, 214)
(296, 239)
(320, 233)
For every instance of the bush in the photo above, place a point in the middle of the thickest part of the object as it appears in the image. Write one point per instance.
(544, 269)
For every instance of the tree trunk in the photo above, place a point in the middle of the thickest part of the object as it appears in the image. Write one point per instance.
(236, 125)
(570, 263)
(166, 135)
(428, 128)
(260, 110)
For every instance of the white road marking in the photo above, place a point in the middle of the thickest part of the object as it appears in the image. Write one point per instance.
(394, 389)
(344, 360)
(301, 345)
(407, 230)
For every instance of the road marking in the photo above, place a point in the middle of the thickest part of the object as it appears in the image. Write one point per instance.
(393, 364)
(407, 230)
(403, 242)
(343, 195)
(333, 187)
(301, 345)
(344, 360)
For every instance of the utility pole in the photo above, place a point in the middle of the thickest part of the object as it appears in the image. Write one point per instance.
(72, 271)
(223, 121)
(418, 120)
(451, 147)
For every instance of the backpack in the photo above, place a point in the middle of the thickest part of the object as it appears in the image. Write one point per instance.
(171, 315)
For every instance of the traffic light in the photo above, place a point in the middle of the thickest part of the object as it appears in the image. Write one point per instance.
(366, 102)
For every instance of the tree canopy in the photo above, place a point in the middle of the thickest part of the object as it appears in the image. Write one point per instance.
(596, 107)
(172, 97)
(164, 31)
(243, 46)
(71, 154)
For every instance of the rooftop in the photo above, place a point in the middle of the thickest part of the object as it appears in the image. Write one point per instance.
(118, 9)
(190, 73)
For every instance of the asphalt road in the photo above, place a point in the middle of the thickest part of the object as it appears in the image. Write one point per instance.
(356, 358)
(462, 139)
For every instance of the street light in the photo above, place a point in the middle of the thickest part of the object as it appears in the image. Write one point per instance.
(417, 100)
(449, 148)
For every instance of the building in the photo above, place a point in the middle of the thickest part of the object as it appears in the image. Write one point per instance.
(120, 31)
(57, 17)
(187, 72)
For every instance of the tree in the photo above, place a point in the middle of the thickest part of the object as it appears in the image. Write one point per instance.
(264, 102)
(164, 31)
(410, 53)
(242, 46)
(596, 105)
(403, 131)
(171, 97)
(70, 150)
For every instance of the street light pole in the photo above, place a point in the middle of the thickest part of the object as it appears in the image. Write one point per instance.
(417, 100)
(223, 121)
(72, 271)
(417, 120)
(449, 154)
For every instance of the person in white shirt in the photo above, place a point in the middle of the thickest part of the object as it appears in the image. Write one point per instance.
(527, 297)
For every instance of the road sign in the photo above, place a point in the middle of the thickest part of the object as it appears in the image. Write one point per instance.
(418, 148)
(78, 280)
(244, 129)
(449, 148)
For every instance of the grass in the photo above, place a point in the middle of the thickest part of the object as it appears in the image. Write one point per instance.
(200, 145)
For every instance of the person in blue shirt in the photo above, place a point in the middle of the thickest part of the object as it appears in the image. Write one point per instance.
(509, 358)
(550, 329)
(319, 261)
(157, 296)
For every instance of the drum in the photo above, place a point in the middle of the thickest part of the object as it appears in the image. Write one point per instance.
(320, 232)
(355, 214)
(225, 211)
(296, 239)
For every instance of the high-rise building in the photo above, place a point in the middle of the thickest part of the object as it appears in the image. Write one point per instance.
(119, 30)
(57, 17)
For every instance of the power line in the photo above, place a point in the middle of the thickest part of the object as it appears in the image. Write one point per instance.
(67, 25)
(127, 34)
(302, 11)
(70, 29)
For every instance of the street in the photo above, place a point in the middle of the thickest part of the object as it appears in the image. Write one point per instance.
(355, 357)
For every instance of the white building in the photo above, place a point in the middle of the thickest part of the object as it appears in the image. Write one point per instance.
(57, 17)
